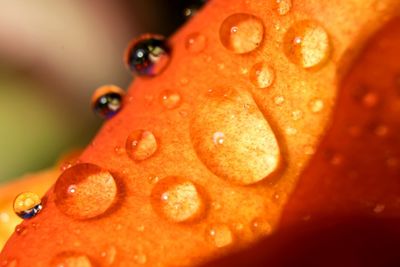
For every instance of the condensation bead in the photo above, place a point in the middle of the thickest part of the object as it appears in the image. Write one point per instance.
(262, 75)
(27, 205)
(241, 33)
(85, 191)
(107, 101)
(141, 145)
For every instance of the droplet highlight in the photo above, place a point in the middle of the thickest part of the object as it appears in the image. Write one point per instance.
(307, 44)
(71, 259)
(85, 191)
(219, 235)
(262, 75)
(228, 129)
(195, 42)
(241, 33)
(27, 205)
(141, 145)
(148, 55)
(107, 101)
(170, 99)
(178, 199)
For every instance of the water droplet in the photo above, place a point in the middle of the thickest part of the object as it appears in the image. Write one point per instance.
(141, 145)
(283, 6)
(370, 100)
(260, 226)
(153, 179)
(379, 208)
(316, 105)
(178, 199)
(262, 75)
(170, 99)
(227, 130)
(27, 205)
(193, 8)
(148, 55)
(109, 255)
(71, 259)
(107, 101)
(279, 100)
(140, 258)
(21, 230)
(307, 44)
(196, 42)
(85, 191)
(297, 115)
(219, 235)
(241, 33)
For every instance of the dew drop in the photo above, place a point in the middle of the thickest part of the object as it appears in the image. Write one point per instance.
(21, 230)
(109, 255)
(195, 42)
(107, 101)
(170, 99)
(246, 134)
(148, 55)
(71, 259)
(141, 145)
(241, 33)
(316, 105)
(307, 44)
(219, 235)
(178, 199)
(85, 191)
(27, 205)
(260, 226)
(297, 115)
(262, 75)
(283, 6)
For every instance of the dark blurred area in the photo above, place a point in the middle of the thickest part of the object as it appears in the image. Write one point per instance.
(53, 55)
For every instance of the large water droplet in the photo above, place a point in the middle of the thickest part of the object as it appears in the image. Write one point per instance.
(307, 44)
(283, 6)
(178, 199)
(27, 205)
(241, 33)
(227, 130)
(219, 235)
(196, 42)
(71, 259)
(107, 101)
(141, 145)
(85, 191)
(170, 99)
(262, 75)
(148, 55)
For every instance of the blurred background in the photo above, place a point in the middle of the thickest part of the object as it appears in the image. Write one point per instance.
(53, 55)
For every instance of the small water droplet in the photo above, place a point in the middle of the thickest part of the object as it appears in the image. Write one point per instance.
(71, 259)
(260, 226)
(140, 258)
(381, 130)
(283, 6)
(297, 115)
(307, 44)
(153, 179)
(241, 33)
(316, 105)
(196, 42)
(141, 145)
(21, 230)
(370, 99)
(107, 101)
(379, 208)
(225, 154)
(170, 99)
(262, 75)
(279, 100)
(119, 150)
(178, 199)
(27, 205)
(85, 191)
(109, 255)
(148, 55)
(219, 235)
(193, 8)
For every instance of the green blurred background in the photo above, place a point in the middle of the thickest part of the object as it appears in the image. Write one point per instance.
(53, 55)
